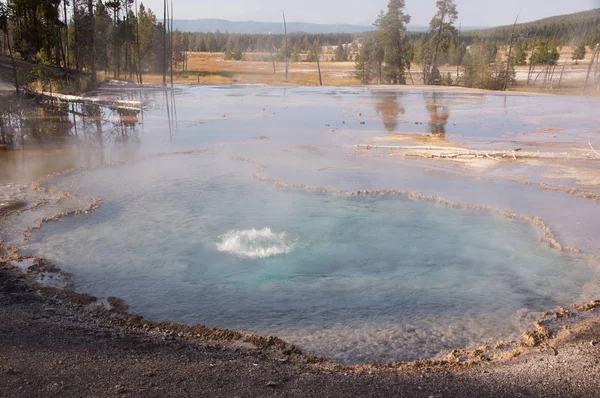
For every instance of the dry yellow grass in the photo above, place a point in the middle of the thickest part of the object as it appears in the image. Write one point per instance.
(211, 68)
(257, 68)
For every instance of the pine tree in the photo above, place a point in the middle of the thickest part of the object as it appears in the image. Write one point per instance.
(391, 36)
(369, 62)
(579, 53)
(520, 53)
(340, 53)
(442, 29)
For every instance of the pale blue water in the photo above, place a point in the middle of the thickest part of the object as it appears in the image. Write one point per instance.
(195, 239)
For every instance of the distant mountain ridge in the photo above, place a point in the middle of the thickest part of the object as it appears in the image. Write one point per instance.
(582, 21)
(253, 27)
(582, 16)
(566, 29)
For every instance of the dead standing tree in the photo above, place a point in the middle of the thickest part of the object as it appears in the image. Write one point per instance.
(510, 48)
(66, 26)
(531, 62)
(317, 47)
(116, 6)
(164, 34)
(562, 72)
(75, 39)
(285, 53)
(92, 42)
(595, 55)
(137, 43)
(272, 59)
(458, 60)
(171, 42)
(5, 28)
(597, 69)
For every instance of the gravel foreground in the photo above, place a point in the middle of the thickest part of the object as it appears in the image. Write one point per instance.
(54, 349)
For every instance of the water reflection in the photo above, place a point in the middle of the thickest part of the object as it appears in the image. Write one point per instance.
(388, 106)
(10, 117)
(33, 124)
(171, 107)
(57, 135)
(438, 113)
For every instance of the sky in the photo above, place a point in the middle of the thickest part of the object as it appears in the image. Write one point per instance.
(364, 12)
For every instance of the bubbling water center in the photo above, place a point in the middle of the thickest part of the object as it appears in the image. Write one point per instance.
(254, 244)
(358, 258)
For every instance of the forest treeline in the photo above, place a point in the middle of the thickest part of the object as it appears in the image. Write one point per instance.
(484, 59)
(124, 39)
(389, 53)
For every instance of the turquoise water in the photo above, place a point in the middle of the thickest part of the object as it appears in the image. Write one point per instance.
(196, 239)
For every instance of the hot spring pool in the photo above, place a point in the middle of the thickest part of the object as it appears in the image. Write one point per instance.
(196, 239)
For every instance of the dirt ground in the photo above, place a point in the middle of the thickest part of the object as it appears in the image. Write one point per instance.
(50, 348)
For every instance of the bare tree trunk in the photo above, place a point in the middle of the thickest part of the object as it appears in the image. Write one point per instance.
(531, 63)
(538, 76)
(14, 65)
(318, 65)
(185, 55)
(75, 36)
(552, 77)
(171, 43)
(590, 68)
(92, 41)
(457, 72)
(458, 59)
(546, 74)
(272, 59)
(115, 47)
(562, 73)
(510, 47)
(285, 54)
(66, 21)
(165, 43)
(128, 56)
(59, 52)
(137, 43)
(597, 70)
(531, 73)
